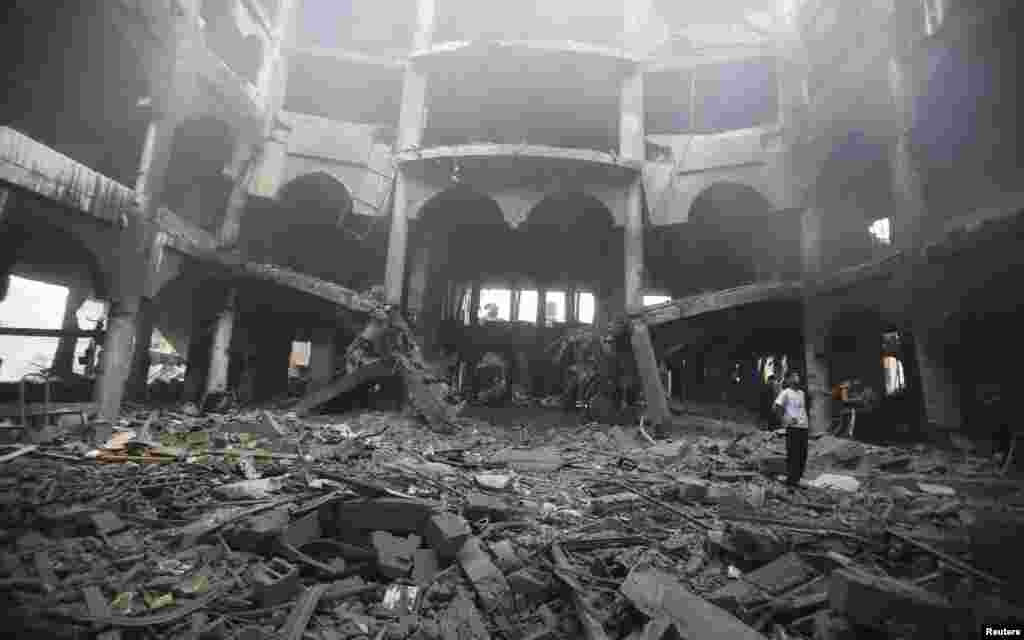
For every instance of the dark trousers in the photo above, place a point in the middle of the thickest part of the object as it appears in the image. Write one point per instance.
(796, 453)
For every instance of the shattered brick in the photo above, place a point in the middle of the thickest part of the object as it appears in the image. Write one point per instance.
(487, 579)
(692, 489)
(424, 566)
(772, 465)
(107, 522)
(873, 601)
(481, 505)
(528, 582)
(384, 514)
(610, 502)
(660, 595)
(505, 556)
(258, 533)
(394, 554)
(446, 533)
(274, 582)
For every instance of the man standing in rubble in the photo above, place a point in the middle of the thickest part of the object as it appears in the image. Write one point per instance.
(791, 406)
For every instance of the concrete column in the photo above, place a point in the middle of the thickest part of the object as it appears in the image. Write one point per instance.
(247, 162)
(632, 143)
(220, 352)
(571, 312)
(819, 390)
(156, 157)
(321, 357)
(542, 312)
(410, 132)
(117, 357)
(474, 305)
(64, 358)
(418, 278)
(138, 378)
(941, 393)
(516, 295)
(426, 17)
(911, 210)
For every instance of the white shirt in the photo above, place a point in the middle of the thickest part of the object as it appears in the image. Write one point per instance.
(794, 407)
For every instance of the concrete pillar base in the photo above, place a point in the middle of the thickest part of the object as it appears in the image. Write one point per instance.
(117, 357)
(939, 390)
(138, 379)
(217, 380)
(322, 353)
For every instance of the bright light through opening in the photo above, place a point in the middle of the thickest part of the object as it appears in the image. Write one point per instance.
(527, 306)
(881, 231)
(495, 304)
(650, 301)
(554, 307)
(586, 308)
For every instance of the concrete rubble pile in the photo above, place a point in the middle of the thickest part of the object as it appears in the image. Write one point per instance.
(260, 524)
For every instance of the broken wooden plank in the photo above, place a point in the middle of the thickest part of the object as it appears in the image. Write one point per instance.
(658, 594)
(297, 622)
(323, 289)
(345, 384)
(592, 627)
(20, 451)
(14, 410)
(32, 332)
(696, 305)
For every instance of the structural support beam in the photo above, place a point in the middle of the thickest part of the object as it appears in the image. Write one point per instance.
(117, 357)
(815, 325)
(632, 147)
(941, 393)
(321, 356)
(410, 133)
(906, 178)
(220, 352)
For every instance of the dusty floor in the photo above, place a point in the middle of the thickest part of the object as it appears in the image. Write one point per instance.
(256, 524)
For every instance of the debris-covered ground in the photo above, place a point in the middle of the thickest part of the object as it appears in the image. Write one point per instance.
(259, 524)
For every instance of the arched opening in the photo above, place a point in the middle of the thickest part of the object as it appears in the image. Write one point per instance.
(197, 187)
(853, 187)
(51, 280)
(312, 229)
(733, 237)
(460, 240)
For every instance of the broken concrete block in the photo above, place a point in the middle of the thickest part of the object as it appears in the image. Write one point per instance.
(462, 620)
(659, 595)
(726, 497)
(258, 533)
(274, 582)
(528, 582)
(505, 556)
(303, 531)
(107, 522)
(757, 544)
(692, 489)
(446, 533)
(394, 554)
(487, 579)
(425, 565)
(772, 465)
(603, 504)
(835, 481)
(780, 575)
(874, 601)
(828, 625)
(397, 515)
(481, 505)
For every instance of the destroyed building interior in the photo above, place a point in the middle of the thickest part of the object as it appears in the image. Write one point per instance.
(467, 319)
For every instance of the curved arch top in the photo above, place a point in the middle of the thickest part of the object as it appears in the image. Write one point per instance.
(442, 52)
(524, 151)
